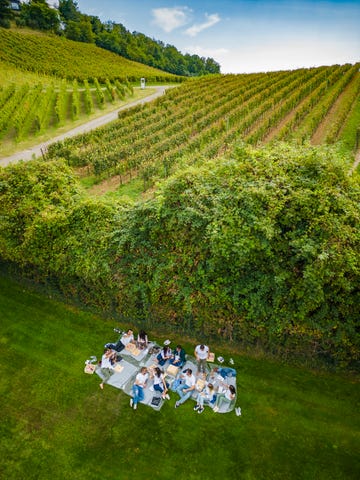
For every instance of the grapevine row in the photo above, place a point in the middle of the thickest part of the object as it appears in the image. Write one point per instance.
(26, 110)
(205, 116)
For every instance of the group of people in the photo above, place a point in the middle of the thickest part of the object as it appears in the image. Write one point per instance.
(111, 355)
(184, 385)
(177, 357)
(208, 394)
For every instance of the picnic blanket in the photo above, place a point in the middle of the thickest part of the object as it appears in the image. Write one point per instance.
(133, 359)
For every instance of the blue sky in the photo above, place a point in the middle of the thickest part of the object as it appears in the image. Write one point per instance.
(245, 36)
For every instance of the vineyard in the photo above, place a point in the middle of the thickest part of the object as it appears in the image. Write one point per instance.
(206, 116)
(49, 82)
(44, 54)
(30, 110)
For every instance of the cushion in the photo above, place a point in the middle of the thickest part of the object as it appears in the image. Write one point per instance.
(172, 370)
(118, 368)
(211, 357)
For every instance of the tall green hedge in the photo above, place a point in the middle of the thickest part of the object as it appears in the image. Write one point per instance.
(262, 248)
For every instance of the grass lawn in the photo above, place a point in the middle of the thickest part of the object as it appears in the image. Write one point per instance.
(56, 423)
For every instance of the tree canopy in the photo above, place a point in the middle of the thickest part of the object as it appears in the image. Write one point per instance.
(38, 15)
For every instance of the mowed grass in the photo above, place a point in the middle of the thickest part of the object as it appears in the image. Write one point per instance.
(56, 423)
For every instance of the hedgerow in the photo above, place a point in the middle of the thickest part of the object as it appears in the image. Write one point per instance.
(261, 248)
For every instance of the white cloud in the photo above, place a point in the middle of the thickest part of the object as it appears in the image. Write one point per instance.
(206, 52)
(168, 19)
(212, 19)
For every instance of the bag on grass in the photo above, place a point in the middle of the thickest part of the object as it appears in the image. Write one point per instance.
(155, 401)
(89, 368)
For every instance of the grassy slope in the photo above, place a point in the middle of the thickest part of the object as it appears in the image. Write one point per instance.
(56, 423)
(52, 55)
(10, 74)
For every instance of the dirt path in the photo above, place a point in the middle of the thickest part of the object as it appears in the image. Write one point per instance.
(356, 163)
(38, 150)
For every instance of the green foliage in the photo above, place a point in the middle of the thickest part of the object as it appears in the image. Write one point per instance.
(262, 248)
(350, 131)
(68, 10)
(5, 14)
(28, 191)
(36, 109)
(75, 103)
(61, 104)
(88, 100)
(140, 48)
(80, 31)
(38, 15)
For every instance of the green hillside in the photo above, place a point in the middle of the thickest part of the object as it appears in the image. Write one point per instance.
(30, 50)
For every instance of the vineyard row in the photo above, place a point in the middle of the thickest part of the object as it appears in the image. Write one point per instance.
(32, 110)
(207, 116)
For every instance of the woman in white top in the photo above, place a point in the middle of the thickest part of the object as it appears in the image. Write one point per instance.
(228, 396)
(138, 387)
(164, 355)
(142, 340)
(108, 361)
(160, 385)
(125, 339)
(207, 395)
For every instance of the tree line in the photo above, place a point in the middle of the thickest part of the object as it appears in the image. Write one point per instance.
(68, 21)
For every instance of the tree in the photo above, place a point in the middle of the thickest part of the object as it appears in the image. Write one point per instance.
(5, 13)
(69, 11)
(211, 66)
(38, 15)
(80, 31)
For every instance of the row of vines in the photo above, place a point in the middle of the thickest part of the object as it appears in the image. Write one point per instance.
(31, 110)
(208, 115)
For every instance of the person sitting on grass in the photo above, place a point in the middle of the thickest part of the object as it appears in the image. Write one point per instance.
(142, 340)
(178, 357)
(208, 396)
(186, 388)
(138, 387)
(224, 371)
(107, 363)
(164, 355)
(228, 396)
(160, 384)
(123, 341)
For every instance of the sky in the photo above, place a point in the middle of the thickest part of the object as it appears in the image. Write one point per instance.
(244, 36)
